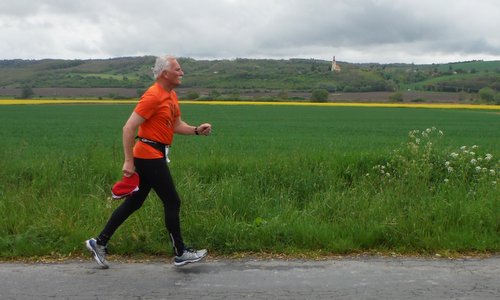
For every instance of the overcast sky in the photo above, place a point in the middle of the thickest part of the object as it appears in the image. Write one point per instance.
(382, 31)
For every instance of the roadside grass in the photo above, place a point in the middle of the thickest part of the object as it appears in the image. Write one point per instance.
(271, 179)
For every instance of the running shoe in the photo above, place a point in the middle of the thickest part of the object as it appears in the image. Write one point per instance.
(190, 255)
(99, 252)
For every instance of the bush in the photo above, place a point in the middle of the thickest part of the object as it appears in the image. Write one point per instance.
(214, 95)
(497, 99)
(350, 89)
(319, 95)
(396, 97)
(283, 95)
(192, 95)
(140, 92)
(487, 94)
(27, 92)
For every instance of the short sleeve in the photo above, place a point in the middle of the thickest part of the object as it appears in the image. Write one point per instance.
(147, 105)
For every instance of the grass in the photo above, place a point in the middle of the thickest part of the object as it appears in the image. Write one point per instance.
(275, 179)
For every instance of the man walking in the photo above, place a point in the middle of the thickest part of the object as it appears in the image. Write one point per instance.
(156, 118)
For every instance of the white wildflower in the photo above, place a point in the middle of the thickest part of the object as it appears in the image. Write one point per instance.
(441, 133)
(447, 164)
(484, 170)
(454, 155)
(463, 148)
(412, 133)
(472, 153)
(478, 169)
(446, 180)
(492, 172)
(417, 141)
(494, 182)
(488, 157)
(428, 130)
(388, 174)
(475, 147)
(473, 161)
(450, 169)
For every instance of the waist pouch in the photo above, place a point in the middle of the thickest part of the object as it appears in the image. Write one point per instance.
(163, 148)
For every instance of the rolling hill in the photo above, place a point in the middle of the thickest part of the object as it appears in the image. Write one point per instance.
(240, 78)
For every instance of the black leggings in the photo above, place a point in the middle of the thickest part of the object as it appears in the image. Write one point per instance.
(154, 174)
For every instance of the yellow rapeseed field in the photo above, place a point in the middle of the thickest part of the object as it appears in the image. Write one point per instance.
(413, 105)
(60, 101)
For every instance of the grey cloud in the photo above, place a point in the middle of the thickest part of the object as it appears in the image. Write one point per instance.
(351, 25)
(421, 30)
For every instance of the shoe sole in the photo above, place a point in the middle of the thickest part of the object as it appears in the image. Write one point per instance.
(96, 257)
(189, 261)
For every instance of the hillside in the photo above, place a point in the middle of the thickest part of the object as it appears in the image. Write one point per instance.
(129, 76)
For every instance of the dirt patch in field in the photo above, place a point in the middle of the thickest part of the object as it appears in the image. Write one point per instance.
(424, 97)
(74, 92)
(125, 93)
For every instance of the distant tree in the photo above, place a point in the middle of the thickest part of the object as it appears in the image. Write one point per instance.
(497, 98)
(27, 92)
(139, 92)
(283, 95)
(192, 95)
(487, 94)
(234, 95)
(214, 95)
(396, 97)
(320, 95)
(349, 89)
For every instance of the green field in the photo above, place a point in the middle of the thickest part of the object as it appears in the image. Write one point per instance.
(274, 179)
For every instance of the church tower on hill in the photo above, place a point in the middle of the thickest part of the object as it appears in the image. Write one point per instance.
(335, 66)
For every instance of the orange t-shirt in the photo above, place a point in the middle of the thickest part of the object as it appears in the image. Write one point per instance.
(160, 109)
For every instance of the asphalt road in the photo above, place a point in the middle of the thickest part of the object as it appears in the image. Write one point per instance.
(346, 278)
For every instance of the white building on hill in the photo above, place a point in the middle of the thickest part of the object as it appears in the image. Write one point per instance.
(335, 67)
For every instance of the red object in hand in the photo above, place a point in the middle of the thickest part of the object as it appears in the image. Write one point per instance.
(125, 187)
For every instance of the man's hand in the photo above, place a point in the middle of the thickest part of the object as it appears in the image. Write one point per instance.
(128, 168)
(205, 129)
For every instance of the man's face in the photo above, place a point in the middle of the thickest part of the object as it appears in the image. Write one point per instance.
(174, 74)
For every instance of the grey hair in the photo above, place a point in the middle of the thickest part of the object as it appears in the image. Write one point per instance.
(162, 63)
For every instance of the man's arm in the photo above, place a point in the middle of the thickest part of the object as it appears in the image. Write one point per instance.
(182, 127)
(129, 132)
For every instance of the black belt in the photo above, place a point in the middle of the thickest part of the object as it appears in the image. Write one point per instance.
(157, 145)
